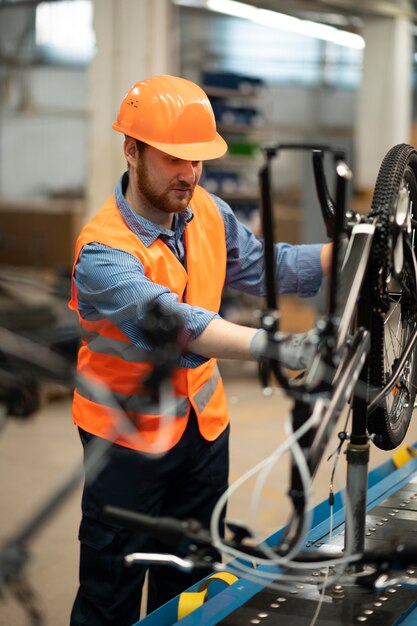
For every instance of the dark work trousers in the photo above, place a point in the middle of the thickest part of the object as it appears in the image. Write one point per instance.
(185, 482)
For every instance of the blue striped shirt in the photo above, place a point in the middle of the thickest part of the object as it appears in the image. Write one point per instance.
(111, 283)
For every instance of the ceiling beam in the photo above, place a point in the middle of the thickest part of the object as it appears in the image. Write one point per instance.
(345, 8)
(370, 7)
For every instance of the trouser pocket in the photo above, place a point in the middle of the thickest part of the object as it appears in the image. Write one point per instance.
(98, 558)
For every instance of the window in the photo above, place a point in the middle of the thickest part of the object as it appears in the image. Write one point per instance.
(64, 31)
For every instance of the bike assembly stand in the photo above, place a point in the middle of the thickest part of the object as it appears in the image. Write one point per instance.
(356, 486)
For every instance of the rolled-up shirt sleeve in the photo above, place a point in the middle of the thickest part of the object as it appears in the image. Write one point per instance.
(298, 267)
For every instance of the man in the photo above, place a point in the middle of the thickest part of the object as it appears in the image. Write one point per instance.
(161, 240)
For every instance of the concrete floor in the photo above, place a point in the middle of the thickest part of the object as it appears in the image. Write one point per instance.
(38, 454)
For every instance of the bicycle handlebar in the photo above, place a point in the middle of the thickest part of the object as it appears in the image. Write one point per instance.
(168, 530)
(391, 554)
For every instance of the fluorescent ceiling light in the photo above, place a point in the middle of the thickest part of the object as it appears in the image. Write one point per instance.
(280, 21)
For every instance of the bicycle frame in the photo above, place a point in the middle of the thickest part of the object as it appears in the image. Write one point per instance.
(348, 298)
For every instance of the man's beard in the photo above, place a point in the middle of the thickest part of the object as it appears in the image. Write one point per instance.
(164, 201)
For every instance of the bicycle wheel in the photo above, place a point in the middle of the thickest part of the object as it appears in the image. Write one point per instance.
(394, 295)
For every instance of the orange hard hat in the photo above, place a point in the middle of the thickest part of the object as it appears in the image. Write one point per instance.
(173, 115)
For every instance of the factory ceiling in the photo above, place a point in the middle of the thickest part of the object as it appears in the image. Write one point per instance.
(347, 14)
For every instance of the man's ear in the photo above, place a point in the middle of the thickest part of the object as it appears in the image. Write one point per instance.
(130, 150)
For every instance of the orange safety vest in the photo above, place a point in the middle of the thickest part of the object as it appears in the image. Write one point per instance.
(110, 368)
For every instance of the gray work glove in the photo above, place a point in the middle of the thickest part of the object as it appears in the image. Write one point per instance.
(295, 352)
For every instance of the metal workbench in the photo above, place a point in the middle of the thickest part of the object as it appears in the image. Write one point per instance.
(391, 513)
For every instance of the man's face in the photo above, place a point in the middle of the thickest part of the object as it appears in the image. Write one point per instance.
(165, 182)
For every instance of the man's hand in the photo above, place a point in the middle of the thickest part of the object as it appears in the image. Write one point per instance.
(293, 351)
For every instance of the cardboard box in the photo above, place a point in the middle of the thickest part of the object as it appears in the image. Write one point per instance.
(39, 233)
(287, 223)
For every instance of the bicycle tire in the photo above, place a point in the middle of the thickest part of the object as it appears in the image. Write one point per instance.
(394, 296)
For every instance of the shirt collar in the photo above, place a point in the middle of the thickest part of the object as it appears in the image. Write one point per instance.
(146, 230)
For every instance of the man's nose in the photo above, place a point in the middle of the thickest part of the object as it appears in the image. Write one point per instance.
(188, 172)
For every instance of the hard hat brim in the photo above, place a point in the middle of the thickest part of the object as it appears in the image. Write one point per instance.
(202, 151)
(194, 151)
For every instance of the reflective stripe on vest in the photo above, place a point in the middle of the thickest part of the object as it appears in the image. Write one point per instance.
(109, 358)
(137, 404)
(114, 347)
(204, 395)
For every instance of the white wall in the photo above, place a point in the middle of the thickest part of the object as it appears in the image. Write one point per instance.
(43, 134)
(43, 116)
